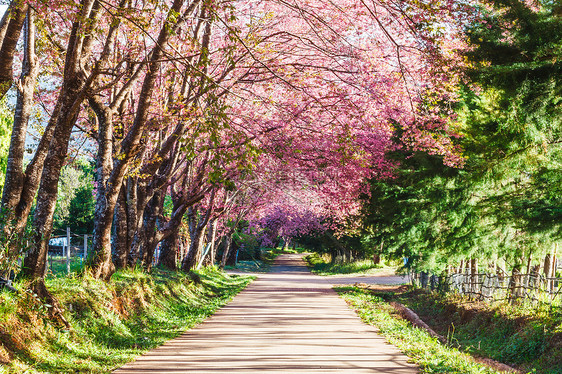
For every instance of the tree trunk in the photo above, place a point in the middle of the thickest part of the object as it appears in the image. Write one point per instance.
(131, 218)
(529, 261)
(120, 239)
(197, 225)
(103, 218)
(286, 243)
(196, 241)
(515, 284)
(140, 194)
(153, 236)
(535, 276)
(423, 279)
(377, 255)
(547, 269)
(211, 239)
(170, 231)
(101, 264)
(554, 261)
(70, 97)
(195, 238)
(13, 223)
(35, 261)
(20, 196)
(474, 275)
(131, 145)
(226, 253)
(10, 30)
(137, 200)
(169, 251)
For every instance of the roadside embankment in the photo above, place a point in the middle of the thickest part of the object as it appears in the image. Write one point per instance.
(526, 337)
(111, 322)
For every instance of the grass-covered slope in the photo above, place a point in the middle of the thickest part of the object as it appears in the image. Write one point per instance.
(111, 322)
(424, 350)
(526, 336)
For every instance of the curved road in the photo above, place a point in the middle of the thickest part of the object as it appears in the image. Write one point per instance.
(286, 321)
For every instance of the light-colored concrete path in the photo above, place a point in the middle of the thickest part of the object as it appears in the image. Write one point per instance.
(286, 321)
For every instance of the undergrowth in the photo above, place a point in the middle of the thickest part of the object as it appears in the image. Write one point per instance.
(322, 267)
(527, 336)
(424, 350)
(112, 322)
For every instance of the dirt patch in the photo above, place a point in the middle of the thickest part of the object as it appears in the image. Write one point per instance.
(5, 356)
(119, 306)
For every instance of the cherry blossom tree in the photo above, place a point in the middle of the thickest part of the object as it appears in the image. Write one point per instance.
(11, 26)
(238, 110)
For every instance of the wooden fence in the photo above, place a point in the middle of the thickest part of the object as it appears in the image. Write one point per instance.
(494, 287)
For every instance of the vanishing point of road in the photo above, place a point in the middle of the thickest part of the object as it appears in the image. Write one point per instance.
(286, 321)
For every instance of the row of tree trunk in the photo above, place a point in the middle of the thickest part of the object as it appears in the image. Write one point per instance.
(129, 205)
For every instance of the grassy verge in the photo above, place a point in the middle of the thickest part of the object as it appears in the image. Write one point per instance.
(425, 351)
(56, 266)
(526, 336)
(112, 322)
(321, 267)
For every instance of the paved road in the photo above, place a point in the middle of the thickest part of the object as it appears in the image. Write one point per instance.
(286, 321)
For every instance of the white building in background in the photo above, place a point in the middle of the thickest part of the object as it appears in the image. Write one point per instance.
(59, 242)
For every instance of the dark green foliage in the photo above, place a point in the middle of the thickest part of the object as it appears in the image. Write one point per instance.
(81, 211)
(421, 214)
(517, 60)
(348, 245)
(506, 202)
(247, 244)
(75, 200)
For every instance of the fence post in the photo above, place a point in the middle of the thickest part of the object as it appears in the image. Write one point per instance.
(68, 250)
(85, 248)
(424, 277)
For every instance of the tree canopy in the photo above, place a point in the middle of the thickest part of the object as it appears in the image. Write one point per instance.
(420, 129)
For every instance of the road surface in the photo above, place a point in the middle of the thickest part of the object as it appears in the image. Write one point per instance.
(286, 321)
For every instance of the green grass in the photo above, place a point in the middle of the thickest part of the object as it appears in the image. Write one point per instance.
(112, 322)
(321, 267)
(424, 350)
(528, 336)
(57, 266)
